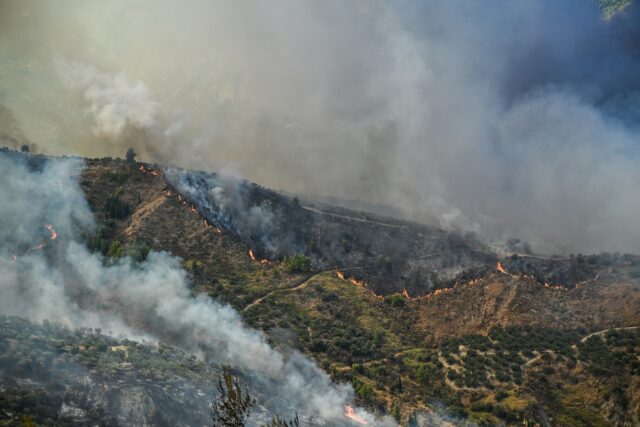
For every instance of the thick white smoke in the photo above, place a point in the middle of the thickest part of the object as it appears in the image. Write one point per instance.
(512, 119)
(113, 102)
(61, 281)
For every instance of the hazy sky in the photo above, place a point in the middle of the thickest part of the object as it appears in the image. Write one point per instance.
(510, 118)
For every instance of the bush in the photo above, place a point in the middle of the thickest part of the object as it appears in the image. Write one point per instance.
(500, 395)
(396, 300)
(298, 263)
(115, 208)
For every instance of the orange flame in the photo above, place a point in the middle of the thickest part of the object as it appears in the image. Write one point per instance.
(154, 172)
(352, 280)
(501, 269)
(351, 414)
(357, 282)
(54, 233)
(252, 255)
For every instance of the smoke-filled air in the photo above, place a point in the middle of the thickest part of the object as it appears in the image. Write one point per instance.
(350, 212)
(510, 119)
(49, 275)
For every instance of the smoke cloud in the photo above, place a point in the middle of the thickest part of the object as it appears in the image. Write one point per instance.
(517, 119)
(54, 277)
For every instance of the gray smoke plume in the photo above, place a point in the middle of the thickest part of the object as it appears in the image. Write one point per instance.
(46, 273)
(516, 119)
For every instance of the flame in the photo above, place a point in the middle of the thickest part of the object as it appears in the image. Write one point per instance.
(357, 282)
(352, 280)
(501, 269)
(351, 414)
(54, 233)
(253, 257)
(154, 172)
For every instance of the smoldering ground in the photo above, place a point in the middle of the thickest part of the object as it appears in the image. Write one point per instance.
(513, 119)
(58, 279)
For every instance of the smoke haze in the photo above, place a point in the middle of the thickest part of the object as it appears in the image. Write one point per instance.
(54, 277)
(511, 119)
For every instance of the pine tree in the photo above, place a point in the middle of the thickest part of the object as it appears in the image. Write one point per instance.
(233, 404)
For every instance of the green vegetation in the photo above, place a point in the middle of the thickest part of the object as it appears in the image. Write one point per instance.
(233, 404)
(298, 263)
(116, 208)
(119, 176)
(385, 346)
(137, 251)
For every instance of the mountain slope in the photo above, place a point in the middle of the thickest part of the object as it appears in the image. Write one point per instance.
(395, 348)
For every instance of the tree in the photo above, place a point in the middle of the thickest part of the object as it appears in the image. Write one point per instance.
(25, 148)
(232, 406)
(131, 155)
(115, 208)
(279, 422)
(298, 263)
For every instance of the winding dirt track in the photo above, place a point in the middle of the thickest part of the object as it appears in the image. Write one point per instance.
(299, 284)
(602, 332)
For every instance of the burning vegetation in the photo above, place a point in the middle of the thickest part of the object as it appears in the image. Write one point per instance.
(383, 329)
(351, 414)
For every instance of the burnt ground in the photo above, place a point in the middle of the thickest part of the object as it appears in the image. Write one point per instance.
(388, 254)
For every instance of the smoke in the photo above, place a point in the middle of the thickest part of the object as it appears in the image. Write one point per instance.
(512, 120)
(114, 104)
(61, 281)
(230, 201)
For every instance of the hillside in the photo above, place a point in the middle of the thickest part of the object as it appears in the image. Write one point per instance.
(424, 323)
(489, 345)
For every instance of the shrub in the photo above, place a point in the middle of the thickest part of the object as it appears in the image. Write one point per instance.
(298, 263)
(115, 208)
(396, 300)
